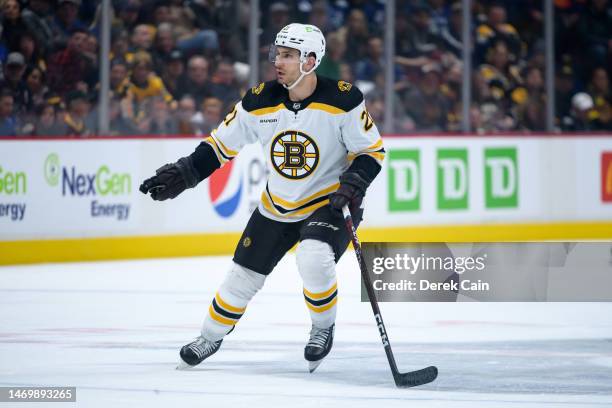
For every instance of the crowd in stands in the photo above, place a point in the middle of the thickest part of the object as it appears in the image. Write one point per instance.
(178, 66)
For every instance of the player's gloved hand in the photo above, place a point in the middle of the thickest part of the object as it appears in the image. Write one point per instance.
(351, 191)
(171, 180)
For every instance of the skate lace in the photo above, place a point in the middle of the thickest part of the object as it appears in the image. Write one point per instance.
(201, 347)
(318, 337)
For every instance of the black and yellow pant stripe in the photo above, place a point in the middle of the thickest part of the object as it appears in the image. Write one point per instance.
(224, 313)
(323, 301)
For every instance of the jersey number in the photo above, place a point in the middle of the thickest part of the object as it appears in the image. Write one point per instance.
(367, 120)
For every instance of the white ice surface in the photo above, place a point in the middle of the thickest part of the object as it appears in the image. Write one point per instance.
(114, 329)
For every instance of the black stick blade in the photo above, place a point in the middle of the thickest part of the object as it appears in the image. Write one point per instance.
(415, 378)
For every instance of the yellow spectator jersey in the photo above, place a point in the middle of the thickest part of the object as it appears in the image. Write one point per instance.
(153, 87)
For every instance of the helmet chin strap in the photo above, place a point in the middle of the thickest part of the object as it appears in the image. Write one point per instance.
(302, 75)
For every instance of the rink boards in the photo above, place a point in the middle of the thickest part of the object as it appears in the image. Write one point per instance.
(79, 199)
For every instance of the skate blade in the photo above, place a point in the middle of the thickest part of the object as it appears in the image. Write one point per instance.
(312, 365)
(183, 365)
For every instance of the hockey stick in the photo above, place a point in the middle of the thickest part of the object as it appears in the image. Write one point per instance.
(402, 380)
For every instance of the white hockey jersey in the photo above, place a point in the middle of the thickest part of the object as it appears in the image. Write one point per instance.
(307, 144)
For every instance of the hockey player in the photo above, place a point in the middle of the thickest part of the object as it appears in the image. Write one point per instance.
(323, 151)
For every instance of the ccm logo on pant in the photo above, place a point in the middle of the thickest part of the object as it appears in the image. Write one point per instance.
(322, 224)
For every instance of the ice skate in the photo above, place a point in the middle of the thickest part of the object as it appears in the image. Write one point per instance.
(318, 346)
(197, 351)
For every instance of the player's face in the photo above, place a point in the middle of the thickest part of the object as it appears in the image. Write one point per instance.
(287, 65)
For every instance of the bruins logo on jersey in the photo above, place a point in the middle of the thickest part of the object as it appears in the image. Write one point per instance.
(294, 154)
(257, 89)
(344, 86)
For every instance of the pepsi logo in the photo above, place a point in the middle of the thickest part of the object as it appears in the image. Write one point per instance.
(225, 190)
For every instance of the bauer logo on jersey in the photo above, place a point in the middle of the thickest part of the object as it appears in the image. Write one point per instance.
(294, 154)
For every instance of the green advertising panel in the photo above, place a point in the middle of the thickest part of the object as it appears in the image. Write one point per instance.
(404, 180)
(452, 179)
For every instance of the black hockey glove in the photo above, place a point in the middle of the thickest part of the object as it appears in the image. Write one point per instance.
(351, 191)
(171, 180)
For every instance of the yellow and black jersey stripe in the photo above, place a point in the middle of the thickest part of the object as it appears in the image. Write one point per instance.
(376, 151)
(224, 154)
(283, 208)
(322, 301)
(224, 313)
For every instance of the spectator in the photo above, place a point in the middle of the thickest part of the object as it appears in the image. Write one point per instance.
(14, 82)
(8, 125)
(500, 75)
(355, 35)
(278, 15)
(196, 82)
(439, 16)
(66, 21)
(128, 12)
(164, 44)
(90, 55)
(595, 31)
(532, 114)
(194, 14)
(330, 66)
(37, 18)
(119, 78)
(416, 38)
(224, 84)
(401, 122)
(494, 30)
(425, 104)
(185, 115)
(36, 83)
(162, 122)
(374, 12)
(532, 90)
(28, 47)
(46, 121)
(76, 121)
(599, 89)
(120, 45)
(210, 116)
(70, 66)
(567, 41)
(161, 12)
(452, 33)
(493, 117)
(578, 119)
(12, 24)
(564, 89)
(375, 105)
(373, 64)
(451, 89)
(172, 72)
(319, 17)
(144, 83)
(120, 125)
(346, 73)
(142, 37)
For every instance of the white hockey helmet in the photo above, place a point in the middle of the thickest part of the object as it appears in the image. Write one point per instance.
(305, 38)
